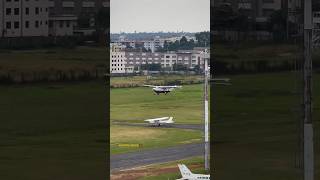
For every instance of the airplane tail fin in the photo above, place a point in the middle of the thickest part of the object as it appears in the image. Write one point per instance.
(185, 172)
(171, 119)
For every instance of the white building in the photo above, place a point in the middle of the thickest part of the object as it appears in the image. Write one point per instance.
(24, 18)
(117, 59)
(189, 58)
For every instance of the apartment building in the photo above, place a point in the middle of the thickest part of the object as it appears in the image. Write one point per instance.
(84, 11)
(77, 7)
(20, 18)
(140, 58)
(117, 59)
(167, 60)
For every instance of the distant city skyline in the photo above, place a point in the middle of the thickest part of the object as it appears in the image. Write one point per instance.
(131, 16)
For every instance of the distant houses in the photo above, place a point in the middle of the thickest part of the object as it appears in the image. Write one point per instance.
(150, 44)
(126, 61)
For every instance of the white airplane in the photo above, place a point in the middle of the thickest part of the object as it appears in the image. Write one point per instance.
(188, 175)
(159, 121)
(162, 89)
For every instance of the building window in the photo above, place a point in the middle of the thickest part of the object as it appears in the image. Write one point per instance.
(68, 25)
(27, 24)
(16, 25)
(36, 24)
(8, 25)
(36, 10)
(27, 11)
(8, 11)
(16, 11)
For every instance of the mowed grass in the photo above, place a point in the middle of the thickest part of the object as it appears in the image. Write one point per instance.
(135, 81)
(53, 131)
(79, 58)
(138, 104)
(149, 137)
(256, 127)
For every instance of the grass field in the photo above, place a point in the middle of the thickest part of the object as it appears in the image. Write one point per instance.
(43, 136)
(149, 138)
(53, 58)
(138, 81)
(256, 128)
(176, 175)
(256, 125)
(137, 104)
(168, 171)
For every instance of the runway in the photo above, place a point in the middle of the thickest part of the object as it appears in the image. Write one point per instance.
(179, 126)
(153, 156)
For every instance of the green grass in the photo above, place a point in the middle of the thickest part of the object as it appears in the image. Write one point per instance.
(83, 58)
(149, 137)
(53, 131)
(256, 128)
(138, 104)
(135, 81)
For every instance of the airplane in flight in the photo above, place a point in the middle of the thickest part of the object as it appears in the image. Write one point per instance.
(162, 89)
(188, 175)
(160, 121)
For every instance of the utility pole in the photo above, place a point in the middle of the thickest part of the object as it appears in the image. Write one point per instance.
(308, 154)
(206, 112)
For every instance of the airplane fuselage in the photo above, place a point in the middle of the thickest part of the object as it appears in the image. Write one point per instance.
(158, 90)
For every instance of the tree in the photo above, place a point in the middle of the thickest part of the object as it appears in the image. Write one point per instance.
(179, 67)
(197, 69)
(151, 67)
(203, 38)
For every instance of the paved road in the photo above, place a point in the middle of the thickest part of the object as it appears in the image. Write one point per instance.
(179, 126)
(153, 156)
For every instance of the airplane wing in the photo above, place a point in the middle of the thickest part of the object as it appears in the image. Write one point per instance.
(149, 85)
(156, 120)
(170, 86)
(167, 121)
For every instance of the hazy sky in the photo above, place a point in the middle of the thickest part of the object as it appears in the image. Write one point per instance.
(159, 15)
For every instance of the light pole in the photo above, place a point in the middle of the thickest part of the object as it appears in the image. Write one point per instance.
(206, 112)
(308, 154)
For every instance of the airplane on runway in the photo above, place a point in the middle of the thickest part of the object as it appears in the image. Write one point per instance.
(162, 89)
(188, 175)
(159, 121)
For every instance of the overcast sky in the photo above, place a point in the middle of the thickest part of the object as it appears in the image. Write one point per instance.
(159, 15)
